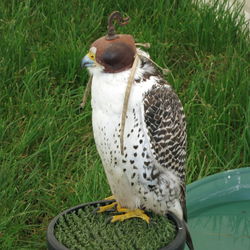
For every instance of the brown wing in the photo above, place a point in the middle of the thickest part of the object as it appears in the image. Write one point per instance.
(165, 122)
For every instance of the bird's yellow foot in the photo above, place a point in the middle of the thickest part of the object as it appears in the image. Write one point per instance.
(127, 214)
(108, 207)
(123, 213)
(112, 197)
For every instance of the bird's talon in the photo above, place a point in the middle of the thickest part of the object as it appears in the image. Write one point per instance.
(101, 210)
(112, 197)
(137, 213)
(117, 213)
(110, 207)
(112, 210)
(107, 208)
(95, 211)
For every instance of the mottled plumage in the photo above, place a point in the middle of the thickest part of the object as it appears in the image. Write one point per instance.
(151, 173)
(144, 160)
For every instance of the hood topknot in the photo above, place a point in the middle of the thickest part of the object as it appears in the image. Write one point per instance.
(116, 52)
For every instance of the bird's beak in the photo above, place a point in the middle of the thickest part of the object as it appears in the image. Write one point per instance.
(87, 62)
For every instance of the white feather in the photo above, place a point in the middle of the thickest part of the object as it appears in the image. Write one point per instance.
(108, 91)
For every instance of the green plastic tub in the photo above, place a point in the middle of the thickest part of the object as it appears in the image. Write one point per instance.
(219, 211)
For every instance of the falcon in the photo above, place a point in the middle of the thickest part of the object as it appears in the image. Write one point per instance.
(148, 172)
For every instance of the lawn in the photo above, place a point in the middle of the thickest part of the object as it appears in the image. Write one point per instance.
(48, 159)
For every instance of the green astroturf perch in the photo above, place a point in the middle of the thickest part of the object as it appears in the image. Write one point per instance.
(139, 129)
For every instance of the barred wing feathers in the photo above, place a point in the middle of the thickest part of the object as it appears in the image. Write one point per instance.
(166, 127)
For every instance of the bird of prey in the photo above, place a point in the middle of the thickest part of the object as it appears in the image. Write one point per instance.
(148, 174)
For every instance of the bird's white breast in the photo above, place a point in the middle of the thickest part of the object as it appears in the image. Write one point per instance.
(128, 174)
(108, 91)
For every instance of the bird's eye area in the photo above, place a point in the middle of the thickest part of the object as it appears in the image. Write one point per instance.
(91, 55)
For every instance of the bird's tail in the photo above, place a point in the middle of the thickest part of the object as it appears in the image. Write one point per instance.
(188, 237)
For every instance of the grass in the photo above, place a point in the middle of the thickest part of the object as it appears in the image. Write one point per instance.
(47, 153)
(98, 233)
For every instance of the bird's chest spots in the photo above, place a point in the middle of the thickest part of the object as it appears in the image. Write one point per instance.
(107, 132)
(135, 167)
